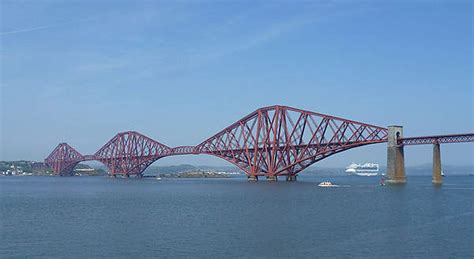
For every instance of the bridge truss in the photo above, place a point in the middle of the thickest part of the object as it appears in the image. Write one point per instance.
(271, 141)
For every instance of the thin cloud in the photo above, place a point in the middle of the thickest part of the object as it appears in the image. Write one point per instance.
(27, 30)
(45, 27)
(218, 46)
(276, 30)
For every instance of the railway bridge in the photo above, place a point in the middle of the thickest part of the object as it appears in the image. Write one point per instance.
(270, 142)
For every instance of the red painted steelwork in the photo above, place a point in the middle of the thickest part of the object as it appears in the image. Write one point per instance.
(130, 153)
(63, 159)
(184, 150)
(280, 140)
(275, 140)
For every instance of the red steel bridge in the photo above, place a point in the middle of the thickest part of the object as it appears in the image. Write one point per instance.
(271, 141)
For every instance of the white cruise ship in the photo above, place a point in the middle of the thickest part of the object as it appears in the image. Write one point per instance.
(367, 169)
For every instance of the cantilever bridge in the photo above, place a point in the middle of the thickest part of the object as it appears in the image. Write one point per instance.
(271, 141)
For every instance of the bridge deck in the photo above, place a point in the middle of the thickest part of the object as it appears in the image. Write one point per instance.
(440, 139)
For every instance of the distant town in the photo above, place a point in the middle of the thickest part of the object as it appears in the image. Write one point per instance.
(30, 168)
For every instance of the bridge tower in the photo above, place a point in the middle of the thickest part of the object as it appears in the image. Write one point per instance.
(395, 156)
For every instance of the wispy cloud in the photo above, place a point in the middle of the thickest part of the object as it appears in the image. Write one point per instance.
(208, 43)
(219, 44)
(28, 30)
(45, 27)
(221, 40)
(277, 29)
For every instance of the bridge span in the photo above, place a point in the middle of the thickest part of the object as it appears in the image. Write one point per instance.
(269, 142)
(396, 158)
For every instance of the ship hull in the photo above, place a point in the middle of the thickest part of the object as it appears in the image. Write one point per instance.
(366, 174)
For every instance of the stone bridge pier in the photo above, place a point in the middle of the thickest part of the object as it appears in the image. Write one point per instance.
(395, 156)
(437, 177)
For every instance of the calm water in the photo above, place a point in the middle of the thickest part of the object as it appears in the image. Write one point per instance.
(104, 217)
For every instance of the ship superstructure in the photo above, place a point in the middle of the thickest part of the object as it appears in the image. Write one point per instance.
(367, 169)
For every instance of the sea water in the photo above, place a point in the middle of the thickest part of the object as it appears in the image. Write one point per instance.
(133, 218)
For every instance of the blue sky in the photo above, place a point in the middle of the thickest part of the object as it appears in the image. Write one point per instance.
(180, 71)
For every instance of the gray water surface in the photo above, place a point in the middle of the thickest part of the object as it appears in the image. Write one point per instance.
(104, 217)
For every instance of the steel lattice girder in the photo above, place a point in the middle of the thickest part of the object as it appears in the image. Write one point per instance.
(63, 159)
(457, 138)
(275, 140)
(130, 153)
(280, 140)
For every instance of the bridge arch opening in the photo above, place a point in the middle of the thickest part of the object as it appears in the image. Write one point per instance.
(89, 168)
(172, 165)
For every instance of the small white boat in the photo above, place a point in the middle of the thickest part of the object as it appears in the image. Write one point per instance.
(158, 178)
(326, 184)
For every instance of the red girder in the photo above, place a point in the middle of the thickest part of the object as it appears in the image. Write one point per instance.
(184, 150)
(457, 138)
(63, 159)
(280, 140)
(275, 140)
(130, 153)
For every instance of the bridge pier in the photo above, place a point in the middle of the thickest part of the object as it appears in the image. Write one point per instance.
(272, 178)
(252, 178)
(437, 177)
(291, 178)
(395, 156)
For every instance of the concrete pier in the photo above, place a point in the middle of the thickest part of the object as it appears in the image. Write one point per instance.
(437, 178)
(291, 178)
(395, 156)
(272, 178)
(252, 178)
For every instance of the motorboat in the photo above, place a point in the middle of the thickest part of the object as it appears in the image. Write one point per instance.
(327, 184)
